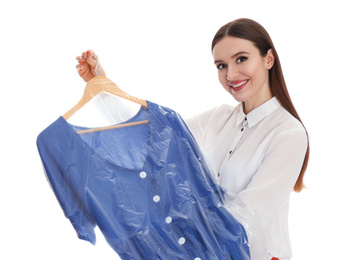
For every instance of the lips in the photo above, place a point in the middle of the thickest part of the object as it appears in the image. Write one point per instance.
(238, 85)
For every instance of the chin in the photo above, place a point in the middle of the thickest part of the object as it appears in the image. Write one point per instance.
(238, 97)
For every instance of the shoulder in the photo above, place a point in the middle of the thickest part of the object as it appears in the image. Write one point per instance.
(287, 122)
(225, 108)
(288, 129)
(220, 114)
(215, 117)
(209, 122)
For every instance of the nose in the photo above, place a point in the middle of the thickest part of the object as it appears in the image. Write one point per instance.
(232, 73)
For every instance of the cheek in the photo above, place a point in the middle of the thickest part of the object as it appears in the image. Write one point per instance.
(222, 78)
(223, 81)
(256, 73)
(250, 70)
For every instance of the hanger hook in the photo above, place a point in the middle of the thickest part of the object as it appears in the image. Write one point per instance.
(97, 63)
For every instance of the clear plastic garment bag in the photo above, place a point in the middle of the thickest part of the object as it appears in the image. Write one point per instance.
(133, 168)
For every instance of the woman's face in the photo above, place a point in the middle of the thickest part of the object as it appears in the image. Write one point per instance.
(243, 72)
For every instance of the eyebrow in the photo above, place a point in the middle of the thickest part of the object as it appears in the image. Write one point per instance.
(233, 56)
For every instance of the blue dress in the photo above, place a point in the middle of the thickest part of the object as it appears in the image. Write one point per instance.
(147, 187)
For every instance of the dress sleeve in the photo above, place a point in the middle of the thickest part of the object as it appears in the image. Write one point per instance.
(277, 175)
(67, 190)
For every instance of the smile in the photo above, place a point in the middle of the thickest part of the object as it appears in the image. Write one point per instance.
(238, 86)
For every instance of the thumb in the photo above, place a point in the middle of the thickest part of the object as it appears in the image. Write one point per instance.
(91, 59)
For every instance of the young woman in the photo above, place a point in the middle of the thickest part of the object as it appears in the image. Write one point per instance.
(259, 150)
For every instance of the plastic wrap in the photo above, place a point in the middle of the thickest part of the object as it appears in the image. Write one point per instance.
(147, 187)
(246, 214)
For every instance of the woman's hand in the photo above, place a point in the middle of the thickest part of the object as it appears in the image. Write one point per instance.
(87, 64)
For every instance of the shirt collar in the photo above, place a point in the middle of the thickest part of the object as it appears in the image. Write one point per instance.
(258, 113)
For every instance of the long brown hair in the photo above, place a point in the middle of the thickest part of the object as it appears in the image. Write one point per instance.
(250, 30)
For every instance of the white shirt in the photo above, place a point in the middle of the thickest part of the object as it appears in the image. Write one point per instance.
(258, 158)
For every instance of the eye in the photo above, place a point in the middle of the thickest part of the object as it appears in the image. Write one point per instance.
(241, 59)
(220, 66)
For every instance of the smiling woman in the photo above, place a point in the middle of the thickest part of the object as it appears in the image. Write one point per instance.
(260, 148)
(249, 33)
(243, 71)
(258, 151)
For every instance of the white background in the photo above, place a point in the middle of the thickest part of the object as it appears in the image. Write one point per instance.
(160, 51)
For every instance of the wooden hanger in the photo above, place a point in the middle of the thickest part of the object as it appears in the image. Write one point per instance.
(97, 85)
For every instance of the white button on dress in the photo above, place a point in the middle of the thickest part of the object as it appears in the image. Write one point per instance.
(143, 175)
(181, 241)
(168, 220)
(156, 198)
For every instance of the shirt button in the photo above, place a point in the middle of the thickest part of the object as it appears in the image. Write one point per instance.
(156, 198)
(143, 175)
(181, 241)
(242, 129)
(197, 258)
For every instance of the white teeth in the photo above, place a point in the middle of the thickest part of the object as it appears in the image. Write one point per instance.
(238, 85)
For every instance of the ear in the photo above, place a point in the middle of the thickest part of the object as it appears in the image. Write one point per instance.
(270, 59)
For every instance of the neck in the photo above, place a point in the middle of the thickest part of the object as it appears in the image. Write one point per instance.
(249, 106)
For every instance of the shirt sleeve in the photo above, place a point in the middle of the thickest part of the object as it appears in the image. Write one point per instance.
(206, 125)
(274, 180)
(198, 124)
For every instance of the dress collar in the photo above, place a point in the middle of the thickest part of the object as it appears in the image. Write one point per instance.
(258, 113)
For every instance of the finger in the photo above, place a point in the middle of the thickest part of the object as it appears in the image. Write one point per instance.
(90, 51)
(91, 59)
(80, 60)
(84, 54)
(87, 53)
(92, 54)
(79, 70)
